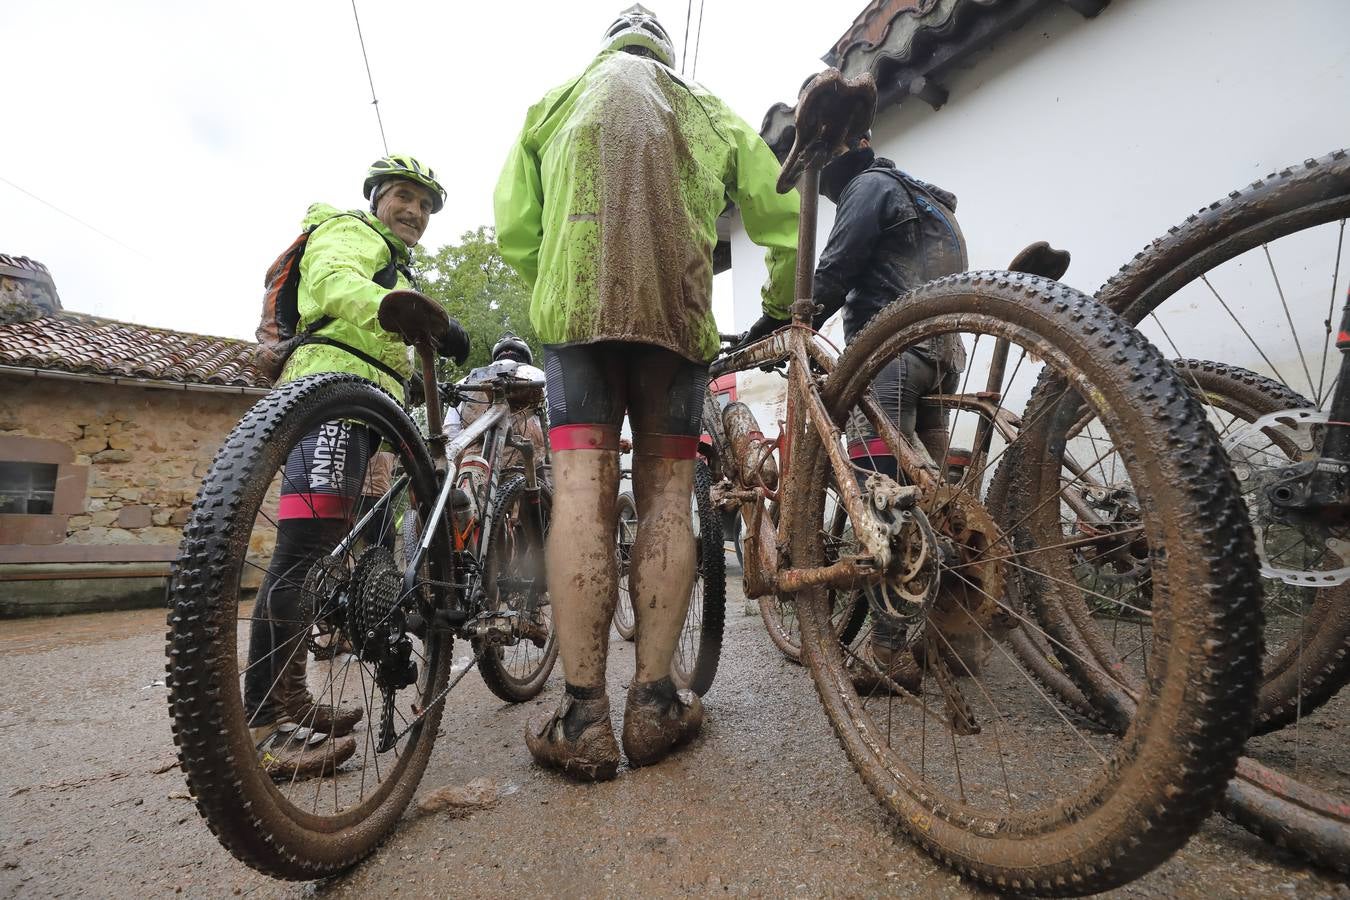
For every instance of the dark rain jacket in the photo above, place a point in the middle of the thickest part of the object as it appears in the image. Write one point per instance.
(882, 246)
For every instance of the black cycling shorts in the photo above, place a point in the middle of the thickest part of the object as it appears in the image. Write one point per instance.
(325, 471)
(591, 386)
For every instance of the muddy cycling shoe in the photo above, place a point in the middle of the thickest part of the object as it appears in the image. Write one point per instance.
(298, 705)
(577, 738)
(287, 751)
(336, 720)
(878, 670)
(657, 719)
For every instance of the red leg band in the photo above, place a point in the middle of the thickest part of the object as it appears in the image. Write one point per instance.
(584, 437)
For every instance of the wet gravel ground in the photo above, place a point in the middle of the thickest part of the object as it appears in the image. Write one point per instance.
(765, 803)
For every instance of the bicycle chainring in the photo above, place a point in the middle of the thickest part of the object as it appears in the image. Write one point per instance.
(970, 611)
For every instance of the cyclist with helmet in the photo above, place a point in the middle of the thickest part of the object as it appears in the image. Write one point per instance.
(526, 422)
(351, 261)
(607, 206)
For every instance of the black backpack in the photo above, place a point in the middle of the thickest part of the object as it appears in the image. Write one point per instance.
(276, 332)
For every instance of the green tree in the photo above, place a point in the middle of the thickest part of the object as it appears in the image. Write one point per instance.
(480, 290)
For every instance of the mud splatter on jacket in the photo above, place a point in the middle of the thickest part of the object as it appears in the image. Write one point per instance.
(342, 256)
(608, 206)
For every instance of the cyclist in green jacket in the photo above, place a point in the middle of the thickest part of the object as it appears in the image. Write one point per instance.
(351, 261)
(607, 206)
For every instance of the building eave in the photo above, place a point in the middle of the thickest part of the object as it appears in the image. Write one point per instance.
(920, 45)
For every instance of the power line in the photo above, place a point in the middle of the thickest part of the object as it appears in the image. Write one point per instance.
(698, 39)
(684, 54)
(370, 78)
(76, 218)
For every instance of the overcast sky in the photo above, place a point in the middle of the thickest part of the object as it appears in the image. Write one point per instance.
(197, 134)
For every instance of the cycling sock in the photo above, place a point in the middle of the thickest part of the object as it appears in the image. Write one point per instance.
(588, 706)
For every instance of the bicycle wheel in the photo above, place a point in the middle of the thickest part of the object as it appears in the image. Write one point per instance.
(293, 828)
(1307, 630)
(625, 534)
(1101, 810)
(1255, 265)
(514, 564)
(694, 665)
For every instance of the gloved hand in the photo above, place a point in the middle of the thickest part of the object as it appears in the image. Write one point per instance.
(766, 325)
(456, 343)
(414, 392)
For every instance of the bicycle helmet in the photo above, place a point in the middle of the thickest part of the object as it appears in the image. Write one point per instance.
(399, 165)
(510, 344)
(637, 26)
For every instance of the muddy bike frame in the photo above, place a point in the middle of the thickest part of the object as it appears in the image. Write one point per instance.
(469, 613)
(796, 346)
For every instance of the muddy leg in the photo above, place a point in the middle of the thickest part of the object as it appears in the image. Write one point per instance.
(582, 571)
(662, 573)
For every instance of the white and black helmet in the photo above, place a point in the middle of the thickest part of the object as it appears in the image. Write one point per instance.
(637, 26)
(514, 345)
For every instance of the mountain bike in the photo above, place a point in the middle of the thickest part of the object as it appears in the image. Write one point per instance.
(1261, 267)
(401, 574)
(936, 564)
(699, 648)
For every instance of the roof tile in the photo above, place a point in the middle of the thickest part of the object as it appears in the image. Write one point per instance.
(73, 342)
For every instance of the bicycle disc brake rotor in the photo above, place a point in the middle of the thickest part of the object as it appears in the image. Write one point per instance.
(324, 586)
(1257, 467)
(909, 593)
(968, 612)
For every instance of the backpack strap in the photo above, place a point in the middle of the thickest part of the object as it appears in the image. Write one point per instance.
(387, 278)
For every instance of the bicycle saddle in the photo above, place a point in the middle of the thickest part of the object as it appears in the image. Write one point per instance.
(414, 317)
(831, 111)
(1041, 259)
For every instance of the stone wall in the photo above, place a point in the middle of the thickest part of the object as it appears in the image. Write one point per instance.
(147, 450)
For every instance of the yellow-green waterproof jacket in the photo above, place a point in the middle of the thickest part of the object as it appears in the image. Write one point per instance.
(341, 257)
(608, 207)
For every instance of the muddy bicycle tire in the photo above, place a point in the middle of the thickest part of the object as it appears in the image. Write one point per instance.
(492, 663)
(1302, 676)
(239, 802)
(695, 663)
(1307, 821)
(1306, 673)
(1296, 198)
(1193, 719)
(1293, 199)
(626, 509)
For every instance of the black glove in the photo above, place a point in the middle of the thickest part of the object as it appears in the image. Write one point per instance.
(414, 393)
(766, 325)
(455, 345)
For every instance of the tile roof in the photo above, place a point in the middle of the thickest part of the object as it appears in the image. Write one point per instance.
(78, 343)
(910, 45)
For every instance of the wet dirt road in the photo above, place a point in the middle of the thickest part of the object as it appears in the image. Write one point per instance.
(765, 803)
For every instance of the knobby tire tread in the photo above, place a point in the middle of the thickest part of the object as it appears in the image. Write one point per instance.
(1218, 644)
(221, 767)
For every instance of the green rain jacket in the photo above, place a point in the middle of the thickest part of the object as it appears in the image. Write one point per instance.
(342, 256)
(608, 207)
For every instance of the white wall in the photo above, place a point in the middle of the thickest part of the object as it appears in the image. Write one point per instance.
(1098, 135)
